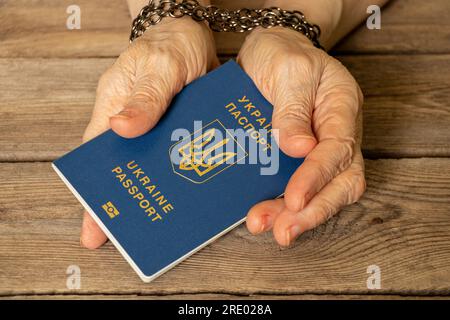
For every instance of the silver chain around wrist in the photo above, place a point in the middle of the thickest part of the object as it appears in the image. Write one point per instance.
(223, 20)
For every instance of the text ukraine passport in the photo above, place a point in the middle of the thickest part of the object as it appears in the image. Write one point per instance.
(161, 197)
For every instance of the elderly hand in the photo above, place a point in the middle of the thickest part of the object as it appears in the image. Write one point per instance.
(133, 94)
(317, 111)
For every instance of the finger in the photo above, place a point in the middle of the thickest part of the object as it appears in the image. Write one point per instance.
(292, 116)
(336, 128)
(150, 97)
(292, 130)
(290, 86)
(92, 236)
(261, 216)
(326, 161)
(345, 189)
(338, 107)
(108, 101)
(95, 127)
(337, 110)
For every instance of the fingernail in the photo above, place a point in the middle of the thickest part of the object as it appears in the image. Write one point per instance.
(262, 228)
(292, 234)
(265, 223)
(125, 113)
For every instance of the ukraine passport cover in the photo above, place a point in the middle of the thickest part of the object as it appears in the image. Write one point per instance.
(163, 196)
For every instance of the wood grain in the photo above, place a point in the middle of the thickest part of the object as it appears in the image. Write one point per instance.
(48, 76)
(218, 296)
(38, 29)
(406, 111)
(45, 104)
(401, 224)
(407, 26)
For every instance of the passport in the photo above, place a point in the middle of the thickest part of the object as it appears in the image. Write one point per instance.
(163, 196)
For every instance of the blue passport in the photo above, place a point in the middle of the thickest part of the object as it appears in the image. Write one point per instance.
(163, 196)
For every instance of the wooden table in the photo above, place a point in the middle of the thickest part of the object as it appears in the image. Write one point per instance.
(48, 77)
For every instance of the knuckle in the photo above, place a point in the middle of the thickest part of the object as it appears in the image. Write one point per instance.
(325, 170)
(148, 95)
(355, 186)
(345, 92)
(295, 99)
(345, 147)
(170, 68)
(360, 186)
(342, 155)
(354, 97)
(326, 173)
(290, 61)
(339, 123)
(301, 60)
(293, 112)
(294, 63)
(149, 52)
(360, 94)
(335, 162)
(349, 99)
(327, 210)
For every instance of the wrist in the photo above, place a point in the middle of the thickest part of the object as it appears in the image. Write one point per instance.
(135, 6)
(281, 33)
(157, 17)
(324, 13)
(193, 39)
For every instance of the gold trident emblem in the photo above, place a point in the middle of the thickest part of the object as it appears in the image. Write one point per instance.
(194, 155)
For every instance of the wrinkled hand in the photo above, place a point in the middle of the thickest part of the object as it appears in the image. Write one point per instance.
(317, 111)
(133, 94)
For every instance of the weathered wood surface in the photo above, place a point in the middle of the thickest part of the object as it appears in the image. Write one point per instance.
(45, 104)
(48, 76)
(217, 296)
(401, 225)
(38, 29)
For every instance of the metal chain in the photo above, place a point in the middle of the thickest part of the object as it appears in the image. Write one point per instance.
(223, 20)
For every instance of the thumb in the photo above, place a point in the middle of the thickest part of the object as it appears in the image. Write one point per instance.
(292, 118)
(148, 101)
(92, 236)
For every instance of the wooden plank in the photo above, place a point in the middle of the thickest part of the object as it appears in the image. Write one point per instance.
(218, 296)
(38, 29)
(406, 109)
(401, 224)
(45, 104)
(407, 26)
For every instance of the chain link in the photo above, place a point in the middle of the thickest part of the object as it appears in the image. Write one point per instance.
(223, 20)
